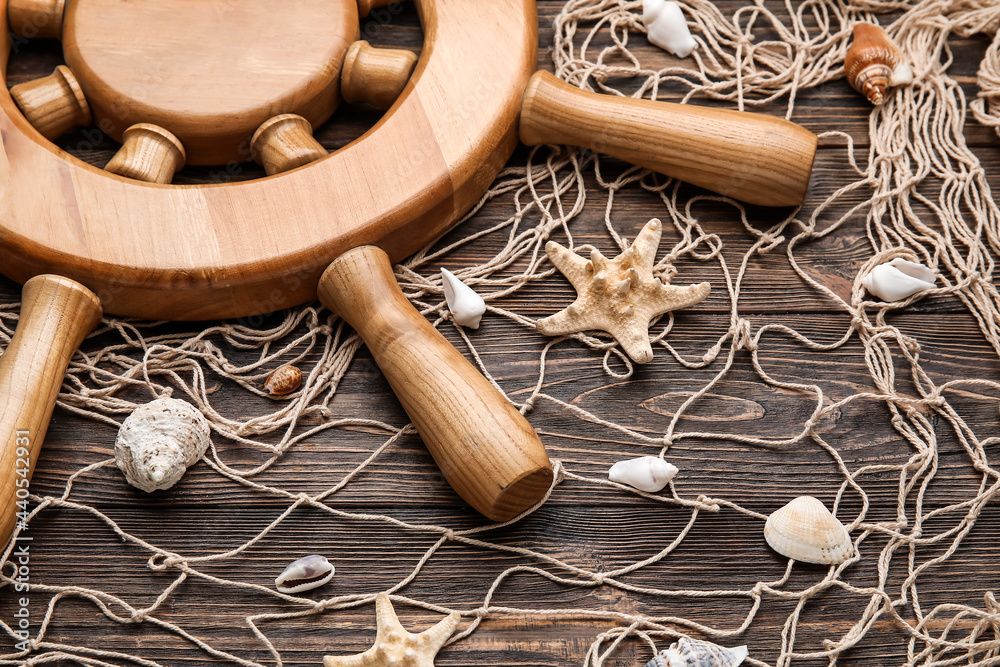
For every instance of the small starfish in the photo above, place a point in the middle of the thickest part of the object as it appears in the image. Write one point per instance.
(620, 295)
(394, 646)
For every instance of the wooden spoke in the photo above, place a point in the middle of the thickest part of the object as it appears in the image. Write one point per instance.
(149, 154)
(36, 18)
(375, 76)
(53, 104)
(285, 142)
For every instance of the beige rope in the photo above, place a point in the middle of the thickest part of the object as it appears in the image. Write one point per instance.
(925, 197)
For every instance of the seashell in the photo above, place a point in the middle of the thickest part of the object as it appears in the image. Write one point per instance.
(646, 473)
(805, 530)
(305, 574)
(687, 652)
(619, 295)
(159, 441)
(874, 63)
(898, 280)
(283, 380)
(667, 28)
(465, 305)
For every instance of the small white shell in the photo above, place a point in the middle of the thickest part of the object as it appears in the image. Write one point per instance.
(898, 280)
(687, 652)
(305, 574)
(465, 305)
(667, 28)
(159, 441)
(805, 530)
(902, 74)
(646, 473)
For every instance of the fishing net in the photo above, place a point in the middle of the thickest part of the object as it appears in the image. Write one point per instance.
(917, 191)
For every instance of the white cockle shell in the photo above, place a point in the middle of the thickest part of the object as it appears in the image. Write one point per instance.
(305, 574)
(646, 473)
(667, 28)
(159, 441)
(899, 279)
(805, 530)
(466, 306)
(687, 652)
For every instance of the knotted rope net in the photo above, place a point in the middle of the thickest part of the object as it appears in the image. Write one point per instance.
(922, 195)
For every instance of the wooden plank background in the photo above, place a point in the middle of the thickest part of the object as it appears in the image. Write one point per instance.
(591, 528)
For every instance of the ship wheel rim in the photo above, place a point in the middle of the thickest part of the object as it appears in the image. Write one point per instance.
(246, 282)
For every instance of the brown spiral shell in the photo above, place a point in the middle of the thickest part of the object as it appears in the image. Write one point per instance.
(870, 61)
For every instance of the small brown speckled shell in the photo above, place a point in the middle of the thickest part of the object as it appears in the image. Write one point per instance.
(870, 62)
(283, 380)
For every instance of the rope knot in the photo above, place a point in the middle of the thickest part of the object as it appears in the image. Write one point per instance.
(770, 242)
(449, 534)
(744, 336)
(137, 617)
(599, 579)
(154, 563)
(712, 354)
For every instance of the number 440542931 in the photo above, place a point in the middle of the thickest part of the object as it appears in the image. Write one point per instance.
(22, 468)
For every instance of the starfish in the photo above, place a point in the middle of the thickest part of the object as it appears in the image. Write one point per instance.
(394, 646)
(620, 295)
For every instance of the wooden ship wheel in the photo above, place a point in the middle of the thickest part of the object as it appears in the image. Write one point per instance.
(212, 81)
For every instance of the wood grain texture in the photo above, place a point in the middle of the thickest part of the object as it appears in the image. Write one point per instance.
(375, 76)
(53, 104)
(365, 7)
(208, 72)
(484, 447)
(752, 157)
(149, 153)
(36, 18)
(56, 315)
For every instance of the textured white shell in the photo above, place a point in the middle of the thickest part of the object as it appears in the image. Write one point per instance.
(465, 305)
(647, 473)
(305, 574)
(805, 530)
(158, 441)
(899, 279)
(687, 652)
(667, 28)
(901, 75)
